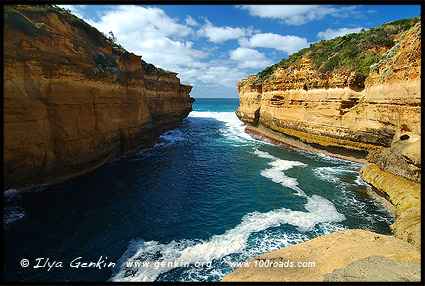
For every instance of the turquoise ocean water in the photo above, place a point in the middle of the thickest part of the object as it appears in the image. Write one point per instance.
(205, 196)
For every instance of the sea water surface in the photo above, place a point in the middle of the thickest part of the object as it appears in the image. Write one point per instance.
(205, 196)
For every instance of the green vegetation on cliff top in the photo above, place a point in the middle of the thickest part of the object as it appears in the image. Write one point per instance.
(356, 52)
(27, 19)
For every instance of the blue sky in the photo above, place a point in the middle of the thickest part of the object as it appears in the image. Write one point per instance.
(213, 46)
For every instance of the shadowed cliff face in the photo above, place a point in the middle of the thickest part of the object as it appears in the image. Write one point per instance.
(73, 99)
(341, 108)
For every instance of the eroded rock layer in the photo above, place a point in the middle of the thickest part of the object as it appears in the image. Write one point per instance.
(73, 100)
(405, 195)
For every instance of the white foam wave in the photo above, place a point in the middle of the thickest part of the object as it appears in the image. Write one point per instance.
(359, 181)
(11, 194)
(320, 157)
(276, 173)
(280, 178)
(272, 239)
(170, 137)
(12, 214)
(330, 174)
(265, 155)
(235, 128)
(262, 139)
(326, 158)
(116, 159)
(232, 241)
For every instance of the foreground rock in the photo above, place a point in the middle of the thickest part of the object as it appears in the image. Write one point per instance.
(73, 99)
(329, 252)
(376, 269)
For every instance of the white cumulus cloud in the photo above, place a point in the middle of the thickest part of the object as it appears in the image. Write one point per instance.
(249, 58)
(299, 14)
(331, 33)
(288, 44)
(190, 21)
(221, 74)
(221, 34)
(150, 32)
(148, 22)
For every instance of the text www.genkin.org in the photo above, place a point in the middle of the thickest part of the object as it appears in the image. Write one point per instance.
(255, 263)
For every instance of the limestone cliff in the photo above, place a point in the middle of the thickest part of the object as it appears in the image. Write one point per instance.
(378, 111)
(342, 106)
(74, 99)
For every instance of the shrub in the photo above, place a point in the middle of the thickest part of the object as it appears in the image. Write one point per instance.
(104, 62)
(33, 11)
(331, 64)
(40, 26)
(365, 62)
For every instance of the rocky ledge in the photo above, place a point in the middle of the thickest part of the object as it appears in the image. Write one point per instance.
(328, 252)
(73, 98)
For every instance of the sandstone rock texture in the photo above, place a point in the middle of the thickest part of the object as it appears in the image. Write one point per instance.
(73, 100)
(405, 195)
(329, 252)
(376, 269)
(341, 108)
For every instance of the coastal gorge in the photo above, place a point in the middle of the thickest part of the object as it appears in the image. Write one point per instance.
(350, 93)
(73, 99)
(311, 174)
